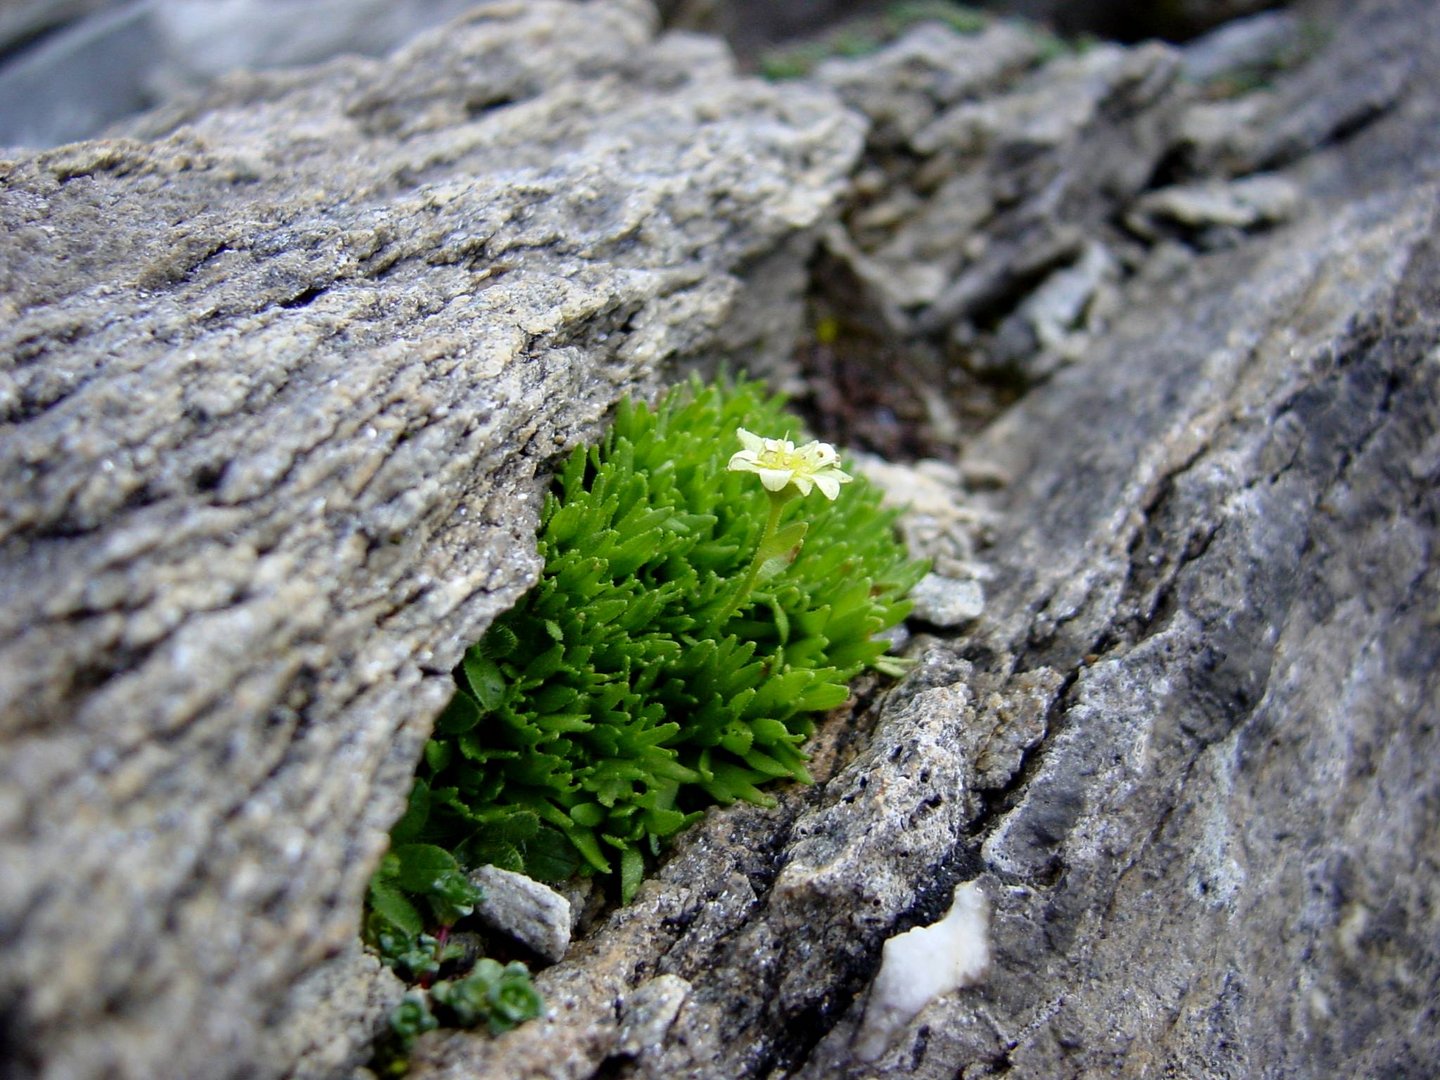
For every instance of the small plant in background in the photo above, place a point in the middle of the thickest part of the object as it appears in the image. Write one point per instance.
(498, 996)
(863, 35)
(705, 592)
(419, 887)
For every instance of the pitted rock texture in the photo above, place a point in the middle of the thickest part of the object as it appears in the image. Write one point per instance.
(279, 376)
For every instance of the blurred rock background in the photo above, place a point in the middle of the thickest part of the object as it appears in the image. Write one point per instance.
(68, 68)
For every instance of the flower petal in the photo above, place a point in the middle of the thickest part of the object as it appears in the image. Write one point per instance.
(743, 461)
(752, 443)
(775, 479)
(780, 464)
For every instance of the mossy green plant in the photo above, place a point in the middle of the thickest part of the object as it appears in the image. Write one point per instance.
(690, 621)
(686, 628)
(706, 592)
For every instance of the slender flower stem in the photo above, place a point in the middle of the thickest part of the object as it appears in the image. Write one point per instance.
(778, 499)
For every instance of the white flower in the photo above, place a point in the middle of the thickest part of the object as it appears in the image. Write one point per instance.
(778, 463)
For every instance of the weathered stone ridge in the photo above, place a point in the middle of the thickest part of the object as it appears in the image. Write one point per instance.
(278, 377)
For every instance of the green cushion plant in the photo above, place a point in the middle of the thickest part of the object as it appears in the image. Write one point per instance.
(672, 654)
(706, 591)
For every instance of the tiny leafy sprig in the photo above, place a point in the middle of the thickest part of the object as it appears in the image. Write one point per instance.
(500, 997)
(418, 893)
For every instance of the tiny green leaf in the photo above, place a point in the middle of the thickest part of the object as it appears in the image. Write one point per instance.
(487, 682)
(391, 904)
(419, 866)
(785, 540)
(459, 716)
(632, 871)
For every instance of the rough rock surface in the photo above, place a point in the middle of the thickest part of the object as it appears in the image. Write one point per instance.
(530, 911)
(1185, 751)
(275, 388)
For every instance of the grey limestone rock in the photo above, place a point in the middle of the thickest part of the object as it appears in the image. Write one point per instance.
(336, 1011)
(75, 81)
(1215, 206)
(529, 911)
(99, 61)
(206, 38)
(947, 602)
(280, 374)
(928, 70)
(1249, 47)
(1184, 752)
(1338, 90)
(647, 1015)
(996, 183)
(269, 462)
(22, 20)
